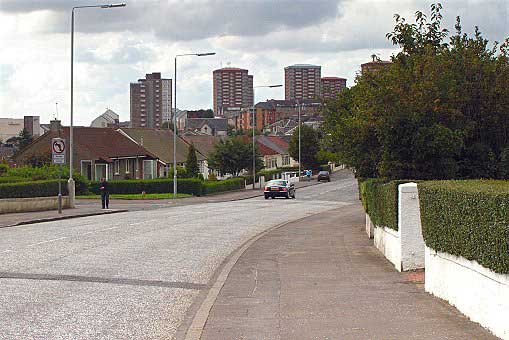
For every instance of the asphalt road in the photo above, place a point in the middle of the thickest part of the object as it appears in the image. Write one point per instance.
(134, 274)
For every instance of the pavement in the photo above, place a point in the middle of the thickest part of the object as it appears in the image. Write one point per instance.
(90, 207)
(321, 278)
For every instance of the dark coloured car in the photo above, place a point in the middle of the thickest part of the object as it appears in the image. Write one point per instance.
(323, 176)
(279, 188)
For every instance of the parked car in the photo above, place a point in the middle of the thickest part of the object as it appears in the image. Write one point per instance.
(323, 176)
(279, 188)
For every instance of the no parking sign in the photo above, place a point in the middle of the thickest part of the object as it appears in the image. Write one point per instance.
(58, 150)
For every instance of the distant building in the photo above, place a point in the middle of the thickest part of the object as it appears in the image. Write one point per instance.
(208, 126)
(273, 110)
(11, 127)
(232, 90)
(108, 119)
(151, 101)
(302, 81)
(332, 86)
(374, 66)
(33, 125)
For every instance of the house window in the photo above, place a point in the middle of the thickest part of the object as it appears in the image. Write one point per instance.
(127, 166)
(116, 166)
(286, 160)
(148, 169)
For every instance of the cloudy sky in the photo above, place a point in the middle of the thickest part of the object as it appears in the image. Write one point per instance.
(116, 46)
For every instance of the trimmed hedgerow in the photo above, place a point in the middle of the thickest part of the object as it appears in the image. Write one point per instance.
(468, 219)
(192, 186)
(380, 200)
(31, 189)
(211, 187)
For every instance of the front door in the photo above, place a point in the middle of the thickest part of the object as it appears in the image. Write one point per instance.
(101, 171)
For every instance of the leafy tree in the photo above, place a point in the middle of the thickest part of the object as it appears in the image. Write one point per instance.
(310, 145)
(192, 167)
(233, 155)
(440, 110)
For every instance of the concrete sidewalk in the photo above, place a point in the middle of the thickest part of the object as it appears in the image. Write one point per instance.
(89, 207)
(321, 278)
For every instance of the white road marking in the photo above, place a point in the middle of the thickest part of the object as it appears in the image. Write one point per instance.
(48, 241)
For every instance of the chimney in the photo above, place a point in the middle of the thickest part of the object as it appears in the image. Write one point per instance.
(54, 126)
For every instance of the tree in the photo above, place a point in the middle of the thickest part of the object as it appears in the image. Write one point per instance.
(439, 111)
(232, 155)
(310, 145)
(192, 167)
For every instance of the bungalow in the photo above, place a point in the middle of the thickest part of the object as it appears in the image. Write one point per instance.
(159, 142)
(98, 153)
(274, 150)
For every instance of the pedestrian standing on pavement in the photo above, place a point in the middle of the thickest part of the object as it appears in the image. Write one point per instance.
(105, 193)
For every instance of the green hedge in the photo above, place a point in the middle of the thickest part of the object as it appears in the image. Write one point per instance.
(380, 200)
(31, 189)
(192, 186)
(12, 179)
(210, 187)
(468, 219)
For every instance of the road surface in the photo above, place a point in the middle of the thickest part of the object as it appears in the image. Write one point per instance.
(134, 274)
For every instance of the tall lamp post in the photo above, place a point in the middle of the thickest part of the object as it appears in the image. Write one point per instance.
(175, 118)
(253, 128)
(299, 109)
(71, 135)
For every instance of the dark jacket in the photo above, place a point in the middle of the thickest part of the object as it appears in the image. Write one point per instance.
(104, 187)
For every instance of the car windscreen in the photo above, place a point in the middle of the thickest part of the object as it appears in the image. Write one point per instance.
(282, 183)
(324, 172)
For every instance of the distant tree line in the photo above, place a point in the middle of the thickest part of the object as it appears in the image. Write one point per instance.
(439, 111)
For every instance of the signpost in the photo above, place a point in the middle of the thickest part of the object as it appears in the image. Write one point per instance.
(58, 156)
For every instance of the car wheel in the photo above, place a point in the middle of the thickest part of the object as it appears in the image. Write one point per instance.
(266, 197)
(328, 180)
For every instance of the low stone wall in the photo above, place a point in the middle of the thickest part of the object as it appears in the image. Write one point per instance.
(14, 205)
(477, 292)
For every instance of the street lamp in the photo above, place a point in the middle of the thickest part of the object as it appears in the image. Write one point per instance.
(175, 118)
(299, 109)
(71, 139)
(253, 128)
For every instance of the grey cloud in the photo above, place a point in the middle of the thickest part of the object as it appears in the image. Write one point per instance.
(190, 20)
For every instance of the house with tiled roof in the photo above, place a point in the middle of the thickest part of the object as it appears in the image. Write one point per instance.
(274, 150)
(208, 126)
(98, 153)
(160, 143)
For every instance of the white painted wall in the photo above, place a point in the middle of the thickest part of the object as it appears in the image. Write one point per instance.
(410, 228)
(477, 292)
(405, 247)
(389, 243)
(369, 227)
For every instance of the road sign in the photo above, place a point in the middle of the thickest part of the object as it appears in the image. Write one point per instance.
(58, 150)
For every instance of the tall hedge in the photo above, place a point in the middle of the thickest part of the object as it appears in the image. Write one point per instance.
(468, 219)
(32, 189)
(380, 200)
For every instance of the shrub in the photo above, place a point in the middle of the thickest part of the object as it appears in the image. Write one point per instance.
(3, 168)
(380, 200)
(12, 179)
(190, 186)
(468, 219)
(210, 187)
(31, 189)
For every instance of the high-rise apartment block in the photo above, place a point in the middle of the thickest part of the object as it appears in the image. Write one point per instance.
(151, 101)
(302, 81)
(233, 90)
(332, 86)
